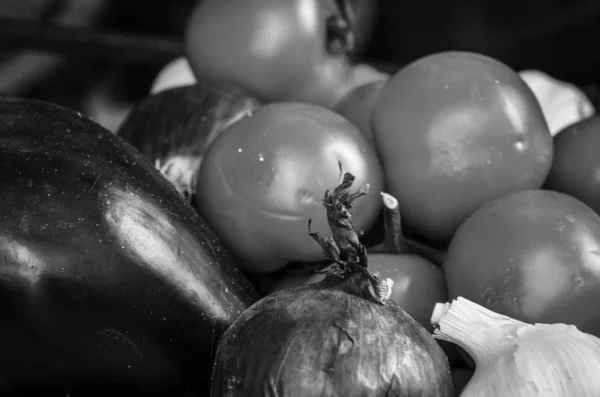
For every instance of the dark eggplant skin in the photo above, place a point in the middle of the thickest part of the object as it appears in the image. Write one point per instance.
(177, 125)
(109, 281)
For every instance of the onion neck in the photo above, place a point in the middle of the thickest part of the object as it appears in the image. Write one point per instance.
(343, 247)
(482, 333)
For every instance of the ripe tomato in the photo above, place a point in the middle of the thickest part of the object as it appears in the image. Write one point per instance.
(532, 255)
(358, 105)
(576, 166)
(279, 50)
(264, 177)
(454, 130)
(418, 283)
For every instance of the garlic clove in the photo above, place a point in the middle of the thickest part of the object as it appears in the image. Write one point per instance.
(518, 359)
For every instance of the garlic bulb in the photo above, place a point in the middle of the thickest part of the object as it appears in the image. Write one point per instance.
(518, 359)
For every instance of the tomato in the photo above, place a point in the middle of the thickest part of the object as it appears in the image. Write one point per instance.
(454, 130)
(279, 50)
(576, 166)
(358, 106)
(418, 283)
(532, 255)
(264, 177)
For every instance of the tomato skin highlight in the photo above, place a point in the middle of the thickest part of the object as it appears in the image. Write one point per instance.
(576, 166)
(276, 49)
(110, 283)
(531, 255)
(454, 130)
(263, 178)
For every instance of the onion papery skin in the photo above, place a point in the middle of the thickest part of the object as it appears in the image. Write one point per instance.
(326, 340)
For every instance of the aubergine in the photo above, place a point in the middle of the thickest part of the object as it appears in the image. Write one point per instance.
(175, 127)
(109, 281)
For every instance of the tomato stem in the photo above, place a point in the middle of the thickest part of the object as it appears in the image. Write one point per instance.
(395, 242)
(392, 224)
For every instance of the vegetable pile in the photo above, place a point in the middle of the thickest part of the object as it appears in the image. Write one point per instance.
(293, 223)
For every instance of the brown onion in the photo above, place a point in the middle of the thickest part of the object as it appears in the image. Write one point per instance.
(339, 337)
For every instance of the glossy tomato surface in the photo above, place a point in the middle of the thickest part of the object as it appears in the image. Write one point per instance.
(276, 49)
(576, 166)
(418, 283)
(263, 178)
(532, 255)
(454, 130)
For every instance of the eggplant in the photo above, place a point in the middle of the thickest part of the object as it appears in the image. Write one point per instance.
(109, 281)
(175, 127)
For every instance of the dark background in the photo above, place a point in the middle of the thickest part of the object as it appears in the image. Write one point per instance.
(559, 37)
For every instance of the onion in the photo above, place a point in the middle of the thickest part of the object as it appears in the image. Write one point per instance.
(175, 127)
(339, 337)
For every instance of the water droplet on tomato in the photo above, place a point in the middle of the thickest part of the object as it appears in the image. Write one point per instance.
(520, 145)
(571, 219)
